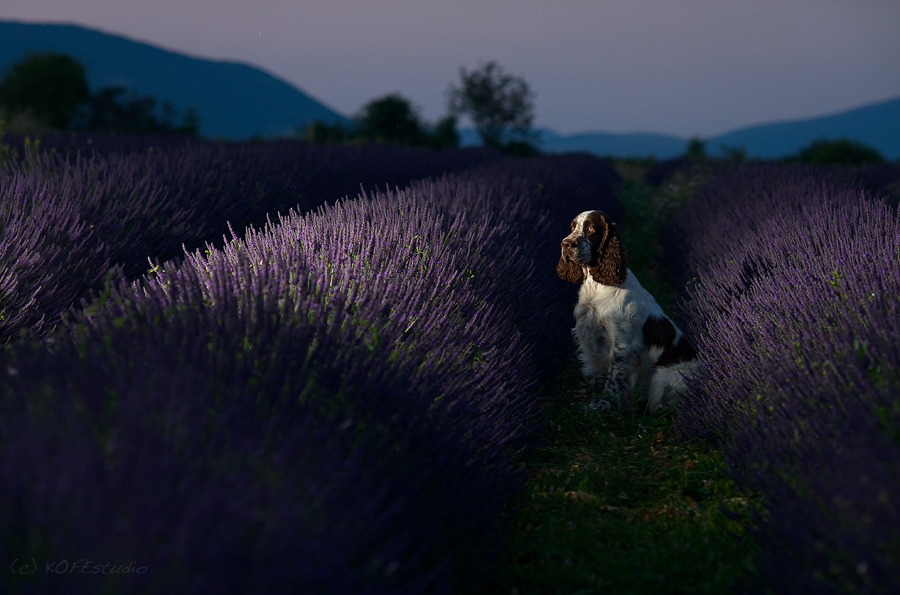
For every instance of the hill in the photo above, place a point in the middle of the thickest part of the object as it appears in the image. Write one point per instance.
(602, 144)
(622, 145)
(237, 100)
(234, 100)
(876, 125)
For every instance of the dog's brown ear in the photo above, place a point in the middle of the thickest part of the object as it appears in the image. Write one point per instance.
(611, 267)
(569, 271)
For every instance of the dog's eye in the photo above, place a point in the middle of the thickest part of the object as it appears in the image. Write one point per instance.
(572, 227)
(590, 229)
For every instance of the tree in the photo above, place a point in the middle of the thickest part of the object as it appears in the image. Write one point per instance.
(500, 105)
(50, 86)
(190, 122)
(116, 110)
(840, 151)
(444, 135)
(390, 119)
(696, 150)
(50, 89)
(320, 132)
(105, 111)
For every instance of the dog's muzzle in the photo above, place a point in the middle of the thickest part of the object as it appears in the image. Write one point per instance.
(571, 250)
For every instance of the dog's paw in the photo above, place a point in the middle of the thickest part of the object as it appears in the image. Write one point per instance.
(598, 405)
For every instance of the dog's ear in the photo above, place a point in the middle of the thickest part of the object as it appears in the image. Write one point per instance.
(611, 264)
(569, 271)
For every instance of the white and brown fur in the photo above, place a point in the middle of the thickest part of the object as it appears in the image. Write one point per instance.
(624, 338)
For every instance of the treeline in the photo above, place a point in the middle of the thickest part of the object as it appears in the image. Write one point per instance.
(500, 106)
(49, 92)
(391, 119)
(823, 151)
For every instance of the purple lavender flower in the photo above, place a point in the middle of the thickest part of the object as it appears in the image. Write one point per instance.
(329, 402)
(795, 313)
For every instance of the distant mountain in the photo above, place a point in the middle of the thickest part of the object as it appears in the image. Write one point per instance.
(661, 146)
(233, 100)
(876, 125)
(599, 143)
(237, 100)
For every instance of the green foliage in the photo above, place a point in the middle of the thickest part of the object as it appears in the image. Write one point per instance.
(620, 504)
(114, 110)
(735, 154)
(319, 132)
(50, 91)
(9, 154)
(49, 85)
(696, 150)
(517, 148)
(647, 211)
(837, 152)
(500, 105)
(190, 121)
(391, 119)
(6, 152)
(444, 134)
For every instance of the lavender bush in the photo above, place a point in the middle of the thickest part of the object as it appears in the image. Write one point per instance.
(45, 244)
(69, 220)
(325, 404)
(794, 308)
(883, 179)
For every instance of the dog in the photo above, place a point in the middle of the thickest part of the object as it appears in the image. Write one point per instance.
(624, 338)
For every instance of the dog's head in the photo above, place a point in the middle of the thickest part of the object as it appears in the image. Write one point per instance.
(593, 246)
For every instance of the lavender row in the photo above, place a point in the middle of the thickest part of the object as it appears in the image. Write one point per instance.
(69, 219)
(327, 404)
(794, 307)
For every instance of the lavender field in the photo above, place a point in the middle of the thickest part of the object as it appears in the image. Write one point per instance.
(327, 402)
(794, 277)
(275, 367)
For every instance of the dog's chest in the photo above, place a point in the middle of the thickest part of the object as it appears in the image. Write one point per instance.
(607, 302)
(606, 315)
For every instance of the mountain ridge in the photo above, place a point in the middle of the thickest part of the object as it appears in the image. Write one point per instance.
(875, 124)
(258, 103)
(238, 100)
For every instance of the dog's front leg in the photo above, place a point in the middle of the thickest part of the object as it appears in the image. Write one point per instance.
(620, 382)
(597, 398)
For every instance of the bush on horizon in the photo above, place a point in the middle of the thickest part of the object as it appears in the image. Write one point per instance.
(838, 151)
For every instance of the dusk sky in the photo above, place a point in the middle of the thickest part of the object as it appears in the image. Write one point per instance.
(685, 67)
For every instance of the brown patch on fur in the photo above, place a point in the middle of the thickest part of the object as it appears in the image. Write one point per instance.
(608, 263)
(569, 271)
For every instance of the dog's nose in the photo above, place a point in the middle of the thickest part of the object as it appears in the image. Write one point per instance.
(566, 243)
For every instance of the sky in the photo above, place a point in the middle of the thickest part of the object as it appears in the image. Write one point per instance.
(682, 67)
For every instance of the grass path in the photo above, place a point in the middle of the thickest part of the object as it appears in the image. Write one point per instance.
(618, 503)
